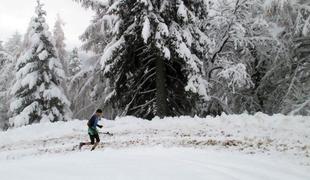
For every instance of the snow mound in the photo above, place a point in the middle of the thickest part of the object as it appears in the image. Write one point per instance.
(276, 135)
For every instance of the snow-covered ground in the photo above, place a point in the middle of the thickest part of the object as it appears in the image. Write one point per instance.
(226, 147)
(152, 164)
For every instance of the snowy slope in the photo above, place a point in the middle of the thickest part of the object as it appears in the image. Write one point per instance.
(225, 147)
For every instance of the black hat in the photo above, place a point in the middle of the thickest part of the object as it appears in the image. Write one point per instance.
(99, 111)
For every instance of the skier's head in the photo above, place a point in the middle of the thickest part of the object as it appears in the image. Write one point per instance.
(99, 112)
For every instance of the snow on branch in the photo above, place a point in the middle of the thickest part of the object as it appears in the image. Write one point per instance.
(236, 75)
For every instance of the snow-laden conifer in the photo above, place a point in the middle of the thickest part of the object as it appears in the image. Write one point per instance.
(37, 94)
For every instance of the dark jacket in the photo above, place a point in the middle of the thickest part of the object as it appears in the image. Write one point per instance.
(93, 124)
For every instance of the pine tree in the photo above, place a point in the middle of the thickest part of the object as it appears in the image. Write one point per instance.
(37, 94)
(6, 78)
(59, 37)
(74, 62)
(14, 44)
(89, 86)
(153, 61)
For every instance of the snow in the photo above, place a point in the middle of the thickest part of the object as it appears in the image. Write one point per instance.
(113, 7)
(28, 87)
(306, 28)
(34, 38)
(280, 3)
(236, 75)
(152, 164)
(164, 5)
(43, 55)
(145, 2)
(197, 84)
(109, 51)
(275, 30)
(56, 66)
(146, 30)
(30, 79)
(54, 92)
(185, 52)
(23, 117)
(162, 30)
(223, 147)
(293, 131)
(117, 26)
(109, 96)
(26, 69)
(188, 37)
(182, 11)
(167, 53)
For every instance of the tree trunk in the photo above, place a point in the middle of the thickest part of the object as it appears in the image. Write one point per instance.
(161, 91)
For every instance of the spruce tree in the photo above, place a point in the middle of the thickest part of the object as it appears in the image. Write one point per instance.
(74, 62)
(37, 94)
(6, 79)
(154, 58)
(14, 45)
(60, 45)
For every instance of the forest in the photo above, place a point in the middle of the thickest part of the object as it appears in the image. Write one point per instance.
(160, 58)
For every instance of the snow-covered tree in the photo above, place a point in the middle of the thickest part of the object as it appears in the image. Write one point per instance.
(297, 97)
(37, 94)
(238, 42)
(1, 46)
(252, 60)
(298, 101)
(87, 91)
(239, 55)
(154, 59)
(60, 45)
(74, 62)
(14, 44)
(96, 36)
(6, 78)
(89, 84)
(287, 76)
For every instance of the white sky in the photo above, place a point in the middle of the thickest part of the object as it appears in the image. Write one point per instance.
(15, 15)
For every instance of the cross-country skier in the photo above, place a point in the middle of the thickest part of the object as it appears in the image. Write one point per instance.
(92, 130)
